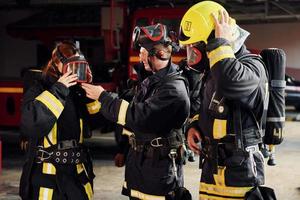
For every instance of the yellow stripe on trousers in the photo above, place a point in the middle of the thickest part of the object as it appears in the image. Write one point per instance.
(45, 193)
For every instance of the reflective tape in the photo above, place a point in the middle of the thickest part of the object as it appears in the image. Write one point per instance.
(52, 103)
(226, 191)
(220, 177)
(49, 168)
(195, 118)
(208, 197)
(81, 131)
(141, 195)
(93, 107)
(89, 190)
(219, 128)
(220, 53)
(122, 112)
(127, 132)
(45, 193)
(275, 119)
(52, 136)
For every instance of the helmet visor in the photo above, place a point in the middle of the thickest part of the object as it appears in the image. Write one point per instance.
(78, 67)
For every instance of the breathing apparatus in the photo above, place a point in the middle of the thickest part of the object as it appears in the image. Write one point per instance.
(151, 36)
(77, 63)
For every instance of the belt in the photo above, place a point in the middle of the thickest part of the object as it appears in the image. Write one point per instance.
(172, 141)
(65, 152)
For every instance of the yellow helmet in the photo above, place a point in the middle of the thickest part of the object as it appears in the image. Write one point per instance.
(197, 23)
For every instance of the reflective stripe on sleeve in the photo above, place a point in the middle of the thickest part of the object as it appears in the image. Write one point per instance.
(93, 107)
(195, 118)
(52, 103)
(122, 112)
(89, 190)
(140, 195)
(220, 53)
(45, 193)
(127, 132)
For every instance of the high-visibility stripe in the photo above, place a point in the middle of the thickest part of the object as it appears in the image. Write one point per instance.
(137, 59)
(223, 190)
(79, 168)
(208, 197)
(127, 132)
(141, 195)
(195, 118)
(125, 185)
(52, 136)
(220, 177)
(45, 193)
(81, 131)
(11, 90)
(88, 190)
(275, 119)
(219, 128)
(49, 100)
(49, 168)
(220, 53)
(93, 107)
(122, 112)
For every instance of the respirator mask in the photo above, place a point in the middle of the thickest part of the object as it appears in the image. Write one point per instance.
(77, 64)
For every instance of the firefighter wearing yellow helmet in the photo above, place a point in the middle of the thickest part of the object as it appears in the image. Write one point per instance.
(227, 130)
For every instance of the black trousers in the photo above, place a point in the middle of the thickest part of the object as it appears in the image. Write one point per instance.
(64, 185)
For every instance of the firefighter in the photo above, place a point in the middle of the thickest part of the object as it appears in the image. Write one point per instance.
(153, 120)
(54, 119)
(226, 131)
(143, 71)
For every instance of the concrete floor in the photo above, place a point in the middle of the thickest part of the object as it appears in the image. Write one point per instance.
(284, 177)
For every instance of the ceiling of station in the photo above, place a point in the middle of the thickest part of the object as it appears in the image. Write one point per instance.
(245, 11)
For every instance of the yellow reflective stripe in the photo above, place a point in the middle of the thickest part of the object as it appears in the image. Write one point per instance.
(224, 190)
(45, 193)
(88, 190)
(195, 118)
(143, 196)
(219, 128)
(49, 168)
(11, 90)
(52, 136)
(207, 197)
(81, 131)
(125, 185)
(79, 168)
(122, 112)
(219, 54)
(220, 177)
(93, 107)
(49, 100)
(127, 132)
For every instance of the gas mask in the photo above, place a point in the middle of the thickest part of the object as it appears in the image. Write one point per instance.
(149, 36)
(77, 64)
(197, 59)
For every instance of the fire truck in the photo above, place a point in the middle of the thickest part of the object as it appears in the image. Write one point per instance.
(104, 34)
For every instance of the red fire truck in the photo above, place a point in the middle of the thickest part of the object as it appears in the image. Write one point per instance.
(107, 45)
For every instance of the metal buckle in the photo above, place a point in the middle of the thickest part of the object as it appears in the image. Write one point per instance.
(42, 151)
(155, 142)
(66, 144)
(252, 149)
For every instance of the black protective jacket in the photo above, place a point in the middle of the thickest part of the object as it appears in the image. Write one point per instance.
(38, 119)
(237, 81)
(160, 105)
